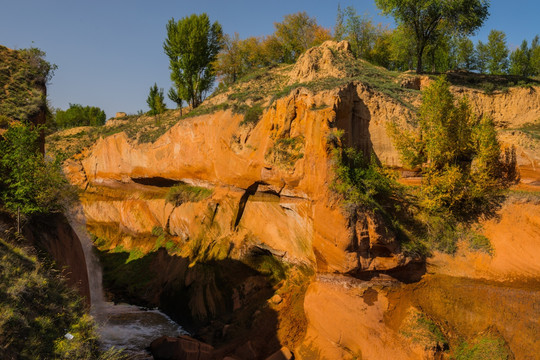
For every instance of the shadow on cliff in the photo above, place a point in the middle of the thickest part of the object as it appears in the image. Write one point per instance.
(54, 236)
(380, 226)
(353, 117)
(224, 303)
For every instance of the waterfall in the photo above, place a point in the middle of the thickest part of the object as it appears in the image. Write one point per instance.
(119, 325)
(77, 220)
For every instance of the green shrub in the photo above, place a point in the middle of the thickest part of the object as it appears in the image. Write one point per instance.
(487, 347)
(182, 193)
(252, 115)
(422, 330)
(286, 151)
(489, 88)
(442, 234)
(29, 182)
(4, 121)
(359, 181)
(463, 173)
(478, 242)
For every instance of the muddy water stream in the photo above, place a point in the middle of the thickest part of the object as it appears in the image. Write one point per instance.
(121, 326)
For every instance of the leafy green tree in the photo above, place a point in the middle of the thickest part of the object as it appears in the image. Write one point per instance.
(360, 33)
(381, 52)
(497, 53)
(441, 55)
(520, 60)
(239, 57)
(368, 41)
(462, 170)
(465, 54)
(156, 101)
(192, 46)
(482, 57)
(78, 115)
(229, 65)
(273, 50)
(297, 33)
(29, 184)
(402, 49)
(339, 28)
(535, 56)
(428, 19)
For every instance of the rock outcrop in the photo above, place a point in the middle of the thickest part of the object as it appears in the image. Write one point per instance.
(514, 236)
(321, 61)
(270, 182)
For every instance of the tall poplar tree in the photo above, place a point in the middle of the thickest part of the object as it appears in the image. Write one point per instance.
(192, 46)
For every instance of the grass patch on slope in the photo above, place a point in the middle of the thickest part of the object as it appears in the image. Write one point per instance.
(38, 309)
(484, 347)
(182, 193)
(532, 129)
(140, 128)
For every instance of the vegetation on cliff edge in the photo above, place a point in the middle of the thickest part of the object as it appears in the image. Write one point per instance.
(39, 311)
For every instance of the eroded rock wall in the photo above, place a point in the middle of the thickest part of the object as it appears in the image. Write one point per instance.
(271, 181)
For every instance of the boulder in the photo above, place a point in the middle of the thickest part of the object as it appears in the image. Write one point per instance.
(180, 348)
(282, 354)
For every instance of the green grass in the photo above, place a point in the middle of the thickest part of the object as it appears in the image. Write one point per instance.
(532, 129)
(285, 152)
(252, 114)
(478, 242)
(489, 83)
(524, 195)
(423, 331)
(140, 128)
(206, 109)
(486, 347)
(38, 309)
(380, 79)
(182, 193)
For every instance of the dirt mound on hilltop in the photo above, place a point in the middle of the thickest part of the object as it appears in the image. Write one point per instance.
(321, 62)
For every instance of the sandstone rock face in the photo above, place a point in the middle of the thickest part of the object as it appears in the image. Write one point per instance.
(515, 237)
(346, 321)
(510, 110)
(270, 182)
(516, 106)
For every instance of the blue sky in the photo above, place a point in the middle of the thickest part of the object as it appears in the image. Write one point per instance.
(110, 52)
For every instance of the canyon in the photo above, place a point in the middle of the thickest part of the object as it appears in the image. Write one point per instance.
(270, 263)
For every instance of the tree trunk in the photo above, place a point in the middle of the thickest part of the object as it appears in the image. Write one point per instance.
(419, 52)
